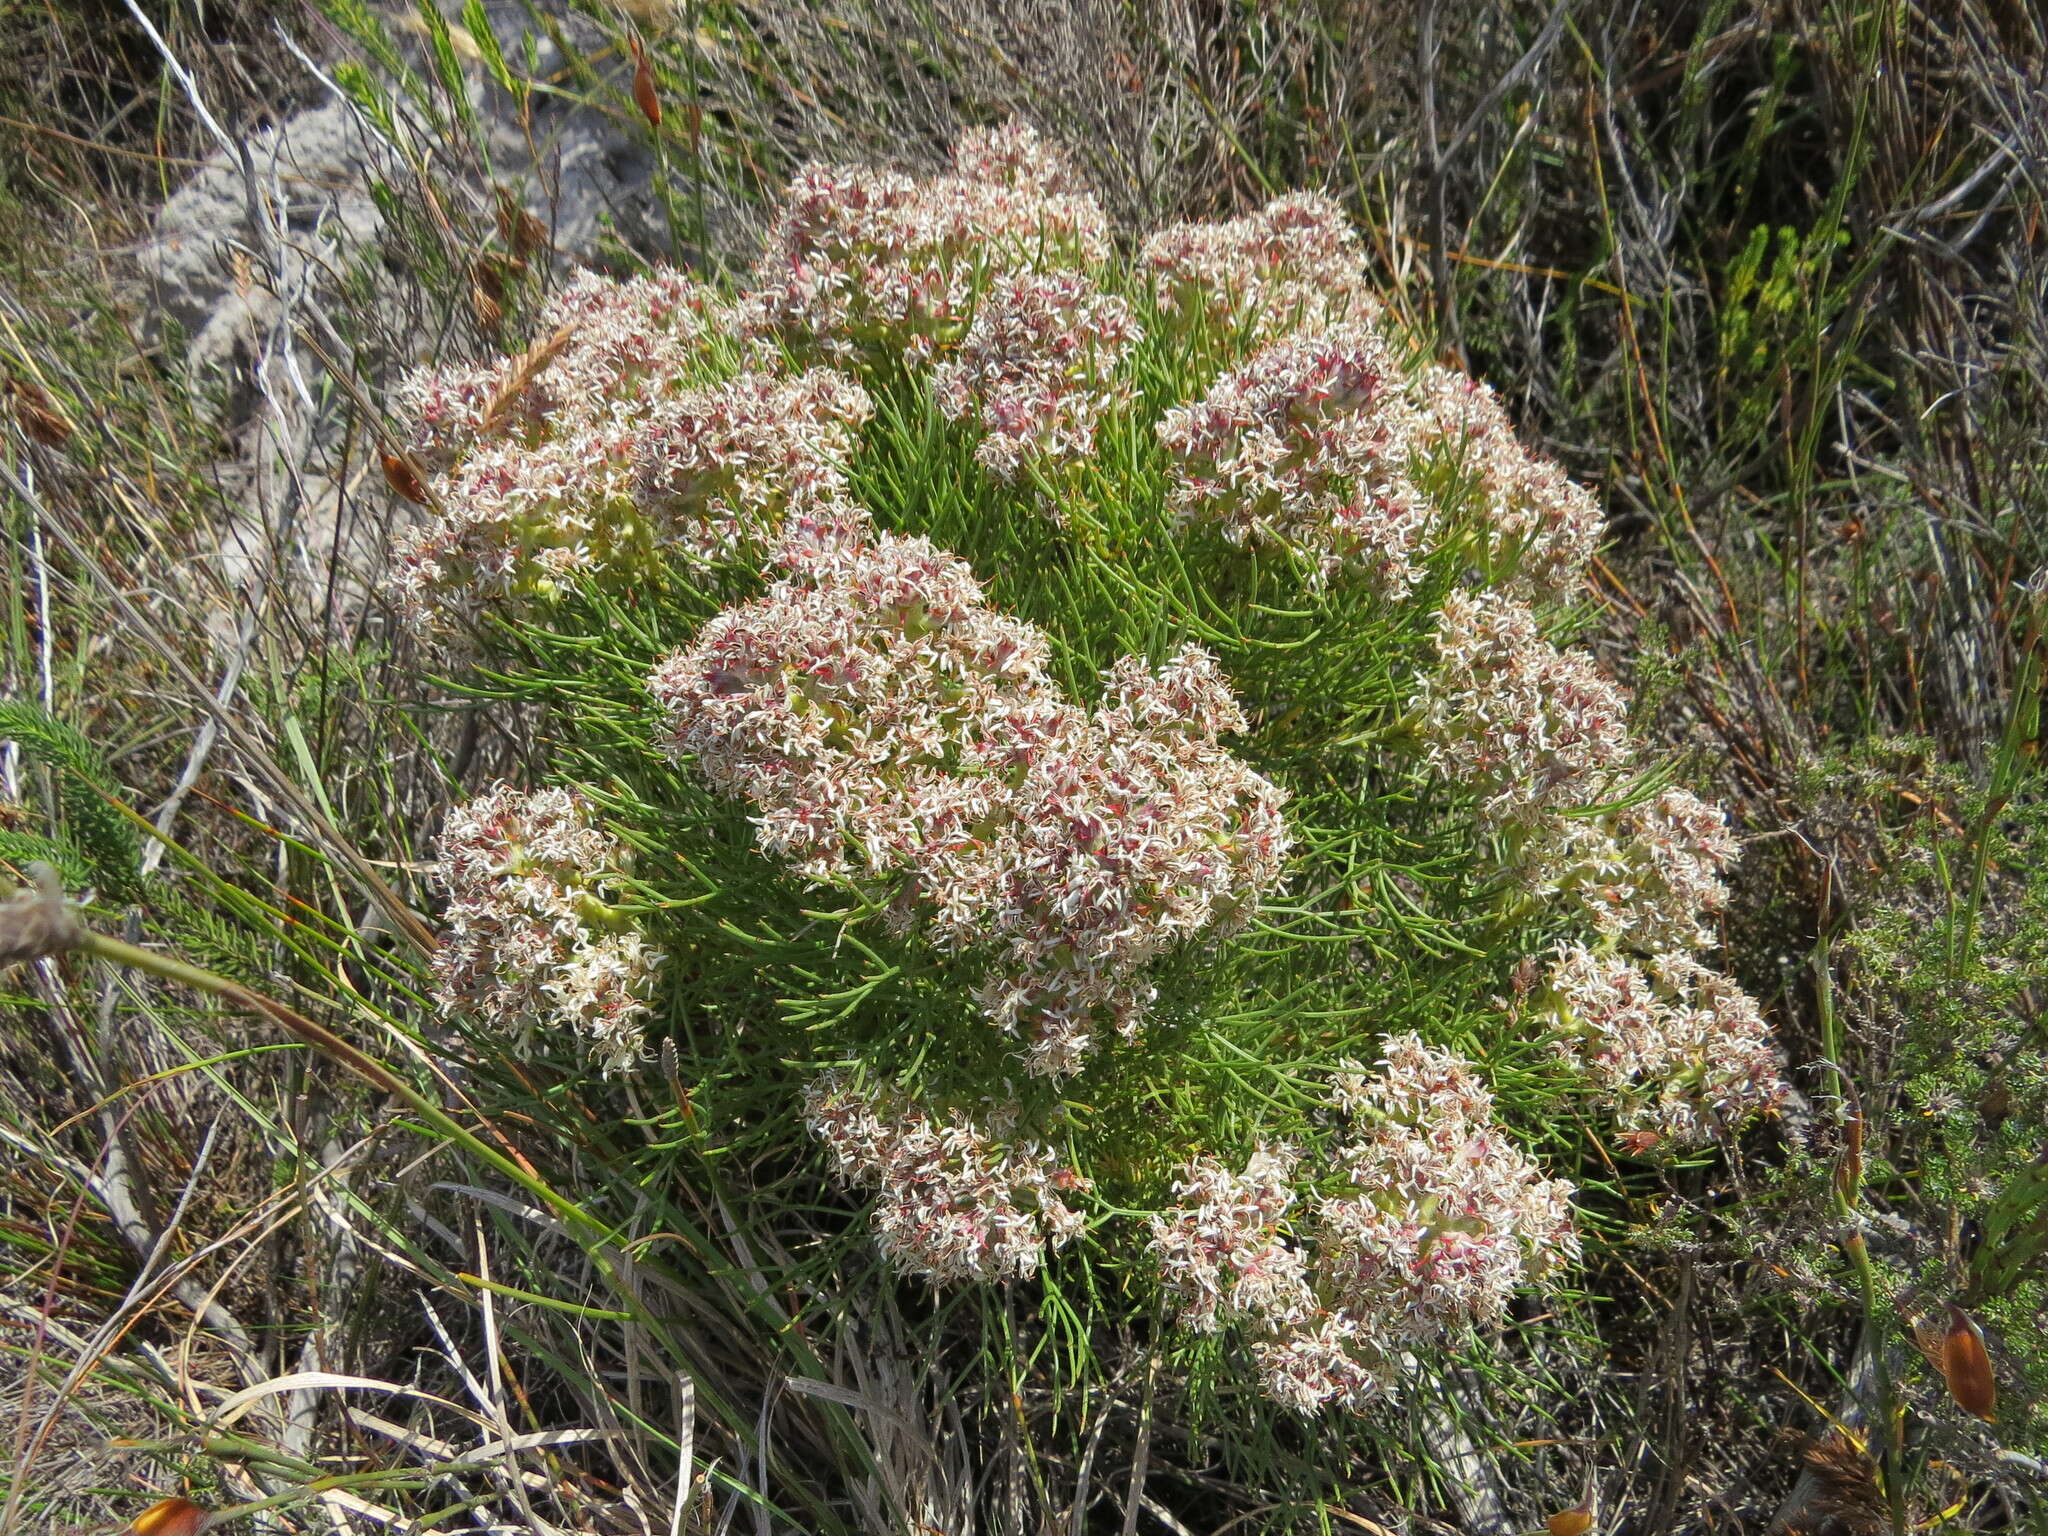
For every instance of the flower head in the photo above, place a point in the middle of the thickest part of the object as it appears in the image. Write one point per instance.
(1295, 264)
(1681, 1052)
(1538, 527)
(722, 465)
(952, 1201)
(604, 343)
(1322, 441)
(1037, 369)
(1013, 154)
(603, 447)
(1445, 1218)
(532, 941)
(868, 263)
(1308, 445)
(1221, 1249)
(1535, 728)
(1440, 1219)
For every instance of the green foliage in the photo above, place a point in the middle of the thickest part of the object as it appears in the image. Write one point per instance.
(1972, 1073)
(96, 821)
(1779, 287)
(21, 849)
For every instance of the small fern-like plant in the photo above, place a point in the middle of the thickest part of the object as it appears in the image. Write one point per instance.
(92, 841)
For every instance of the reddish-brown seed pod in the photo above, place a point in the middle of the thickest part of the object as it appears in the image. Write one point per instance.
(1966, 1367)
(644, 95)
(171, 1517)
(404, 479)
(1849, 1166)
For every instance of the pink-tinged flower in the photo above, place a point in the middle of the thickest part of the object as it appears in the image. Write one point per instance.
(603, 343)
(1321, 1363)
(953, 1200)
(1308, 445)
(532, 940)
(1681, 1052)
(1439, 1222)
(1323, 442)
(1186, 695)
(1538, 527)
(1446, 1218)
(1658, 880)
(1013, 154)
(1297, 264)
(604, 447)
(1037, 370)
(1222, 1250)
(1534, 728)
(1543, 735)
(721, 466)
(869, 263)
(893, 732)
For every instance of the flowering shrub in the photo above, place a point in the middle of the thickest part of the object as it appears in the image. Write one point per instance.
(1075, 712)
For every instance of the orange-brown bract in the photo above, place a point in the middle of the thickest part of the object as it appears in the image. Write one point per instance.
(644, 95)
(171, 1517)
(1966, 1366)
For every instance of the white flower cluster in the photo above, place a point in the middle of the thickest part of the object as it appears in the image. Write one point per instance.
(953, 1202)
(1295, 264)
(595, 454)
(871, 263)
(894, 731)
(1439, 1221)
(1539, 528)
(723, 465)
(605, 343)
(1037, 369)
(1223, 1249)
(1308, 445)
(1534, 728)
(1681, 1051)
(532, 941)
(1013, 154)
(1543, 734)
(1655, 881)
(1322, 442)
(1446, 1218)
